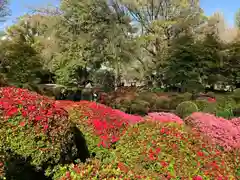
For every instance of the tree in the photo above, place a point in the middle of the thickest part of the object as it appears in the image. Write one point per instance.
(91, 33)
(237, 19)
(19, 62)
(4, 10)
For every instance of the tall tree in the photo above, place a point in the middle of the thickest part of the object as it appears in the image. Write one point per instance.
(4, 10)
(237, 19)
(92, 33)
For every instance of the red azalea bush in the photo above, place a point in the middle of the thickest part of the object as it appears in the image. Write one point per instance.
(164, 117)
(100, 120)
(95, 169)
(223, 132)
(171, 150)
(32, 126)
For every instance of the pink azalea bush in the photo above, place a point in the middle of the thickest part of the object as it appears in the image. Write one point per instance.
(132, 119)
(221, 131)
(165, 117)
(236, 121)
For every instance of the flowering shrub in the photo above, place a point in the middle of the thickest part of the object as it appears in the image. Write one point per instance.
(221, 131)
(95, 169)
(236, 121)
(32, 126)
(164, 117)
(186, 108)
(171, 150)
(206, 106)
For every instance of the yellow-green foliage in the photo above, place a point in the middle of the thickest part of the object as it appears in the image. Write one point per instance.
(139, 107)
(179, 98)
(186, 108)
(95, 170)
(236, 95)
(148, 97)
(205, 106)
(162, 103)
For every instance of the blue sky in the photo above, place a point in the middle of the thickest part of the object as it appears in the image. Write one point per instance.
(228, 7)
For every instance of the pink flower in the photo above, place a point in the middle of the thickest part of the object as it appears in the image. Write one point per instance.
(221, 131)
(197, 178)
(165, 117)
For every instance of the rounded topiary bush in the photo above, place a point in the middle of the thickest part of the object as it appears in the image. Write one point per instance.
(186, 108)
(140, 107)
(162, 103)
(206, 106)
(147, 97)
(33, 127)
(236, 95)
(179, 98)
(172, 150)
(225, 102)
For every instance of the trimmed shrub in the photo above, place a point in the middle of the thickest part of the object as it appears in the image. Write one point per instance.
(124, 105)
(225, 102)
(101, 125)
(95, 169)
(140, 107)
(201, 104)
(147, 97)
(221, 131)
(172, 151)
(186, 108)
(227, 114)
(179, 98)
(162, 103)
(32, 126)
(236, 95)
(236, 112)
(211, 94)
(206, 106)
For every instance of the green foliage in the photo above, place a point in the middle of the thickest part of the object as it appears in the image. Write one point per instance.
(205, 106)
(225, 103)
(21, 62)
(91, 139)
(162, 103)
(227, 114)
(4, 10)
(161, 149)
(95, 169)
(192, 87)
(148, 97)
(237, 19)
(140, 107)
(178, 98)
(236, 95)
(186, 108)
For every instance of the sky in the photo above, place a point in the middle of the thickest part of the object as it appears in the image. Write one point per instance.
(227, 7)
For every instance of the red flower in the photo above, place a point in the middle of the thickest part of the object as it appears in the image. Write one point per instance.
(24, 113)
(45, 127)
(211, 100)
(123, 167)
(76, 169)
(164, 163)
(22, 123)
(12, 111)
(200, 154)
(68, 174)
(38, 118)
